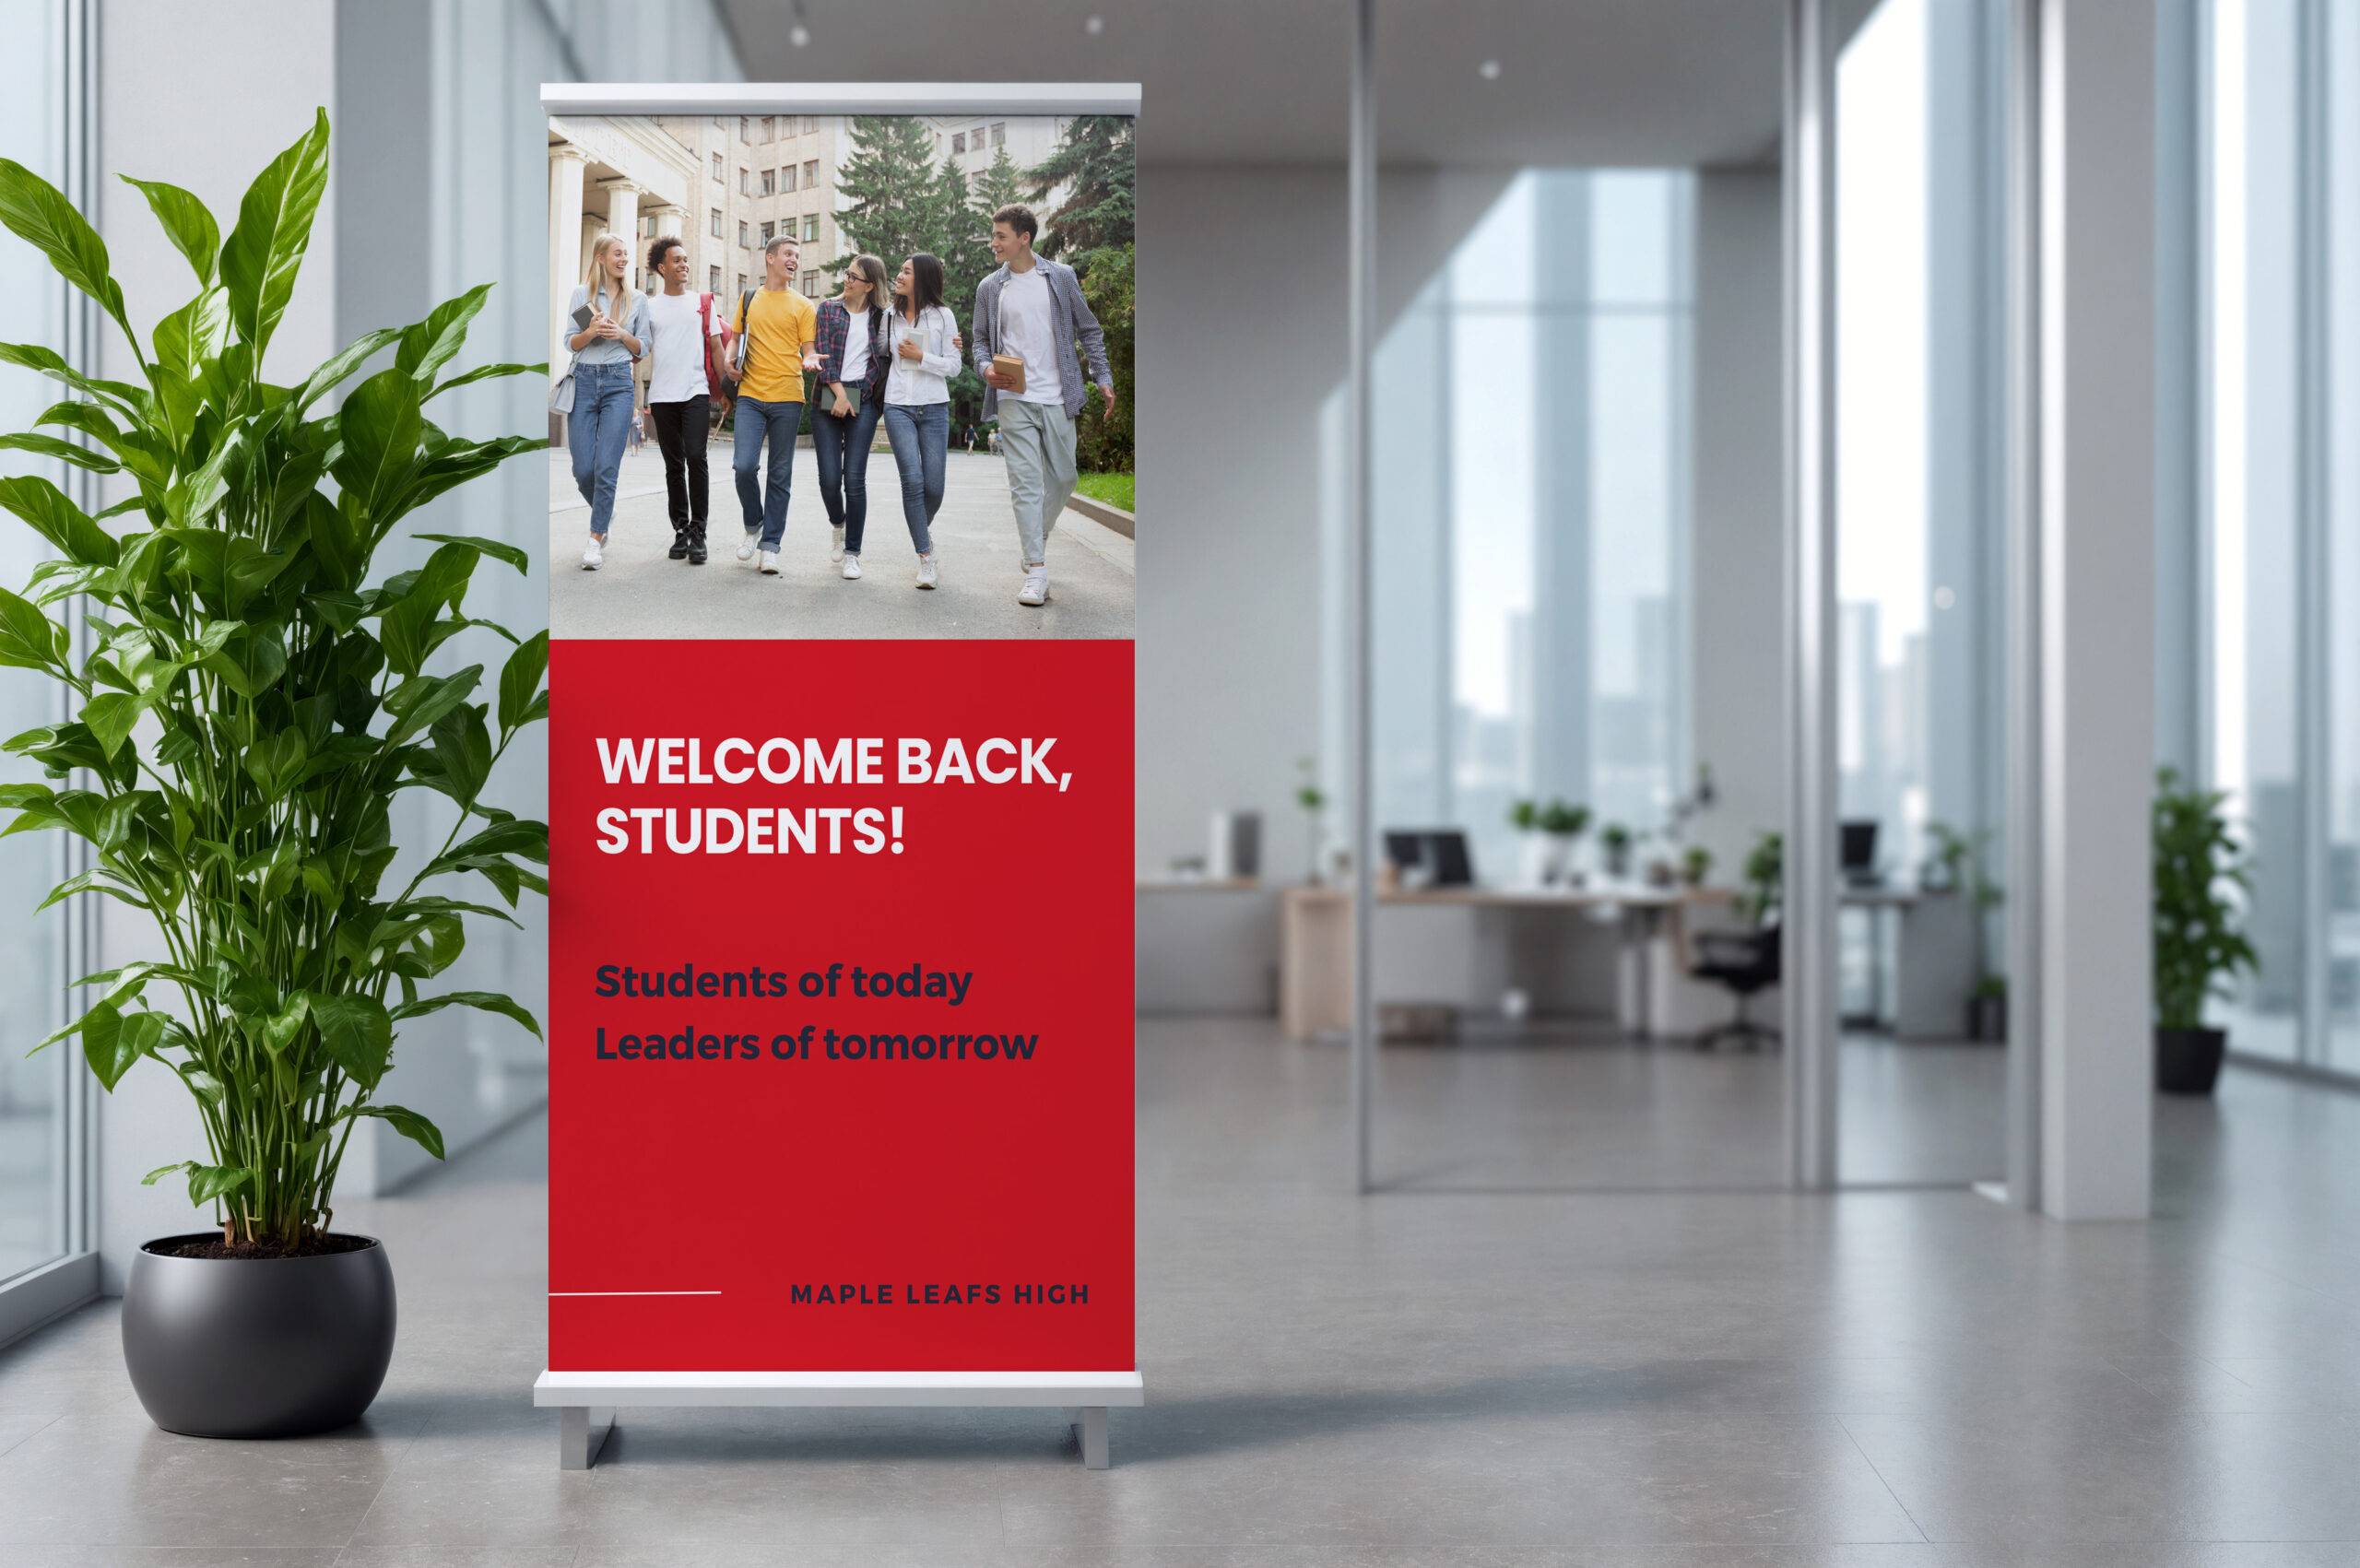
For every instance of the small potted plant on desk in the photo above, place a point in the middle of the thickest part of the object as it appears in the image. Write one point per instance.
(1987, 1011)
(1695, 864)
(1313, 800)
(1614, 841)
(1563, 825)
(2199, 939)
(247, 700)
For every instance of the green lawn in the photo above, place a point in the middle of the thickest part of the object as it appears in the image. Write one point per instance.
(1114, 489)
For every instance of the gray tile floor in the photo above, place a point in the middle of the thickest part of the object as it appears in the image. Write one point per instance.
(642, 592)
(1504, 1379)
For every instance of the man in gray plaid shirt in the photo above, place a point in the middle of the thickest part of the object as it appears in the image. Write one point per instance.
(1033, 308)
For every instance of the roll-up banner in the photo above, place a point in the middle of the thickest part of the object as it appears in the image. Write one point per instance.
(841, 749)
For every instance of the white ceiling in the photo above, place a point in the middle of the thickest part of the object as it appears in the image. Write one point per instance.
(1582, 82)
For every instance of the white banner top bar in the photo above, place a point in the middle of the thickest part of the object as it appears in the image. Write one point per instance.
(840, 97)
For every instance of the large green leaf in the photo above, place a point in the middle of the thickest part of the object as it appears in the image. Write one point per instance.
(28, 638)
(110, 715)
(264, 251)
(408, 1122)
(358, 1034)
(404, 626)
(49, 513)
(38, 212)
(341, 364)
(194, 232)
(427, 346)
(380, 425)
(123, 395)
(206, 1183)
(520, 683)
(487, 1001)
(64, 450)
(193, 334)
(506, 553)
(113, 1041)
(485, 372)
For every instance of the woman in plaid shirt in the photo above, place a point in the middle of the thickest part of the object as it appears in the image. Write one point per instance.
(853, 368)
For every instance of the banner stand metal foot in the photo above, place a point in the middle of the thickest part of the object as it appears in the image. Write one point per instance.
(582, 1431)
(583, 1426)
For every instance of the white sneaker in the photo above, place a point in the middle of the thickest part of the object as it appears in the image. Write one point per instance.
(927, 577)
(746, 549)
(836, 550)
(852, 566)
(769, 563)
(591, 557)
(1037, 586)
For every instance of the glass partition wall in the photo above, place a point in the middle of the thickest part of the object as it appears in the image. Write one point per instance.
(1921, 593)
(2275, 667)
(41, 1097)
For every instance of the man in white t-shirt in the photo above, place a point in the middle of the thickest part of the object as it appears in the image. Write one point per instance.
(678, 393)
(1032, 309)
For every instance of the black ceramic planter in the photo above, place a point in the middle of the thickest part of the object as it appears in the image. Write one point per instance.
(257, 1346)
(2189, 1060)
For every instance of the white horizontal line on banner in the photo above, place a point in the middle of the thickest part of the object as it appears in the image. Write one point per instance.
(634, 1292)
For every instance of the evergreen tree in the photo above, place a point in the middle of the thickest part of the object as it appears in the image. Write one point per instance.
(1096, 161)
(998, 185)
(895, 200)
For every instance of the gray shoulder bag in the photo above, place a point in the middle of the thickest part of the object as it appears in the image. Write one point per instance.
(561, 389)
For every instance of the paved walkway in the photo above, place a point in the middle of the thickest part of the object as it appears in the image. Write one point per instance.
(640, 592)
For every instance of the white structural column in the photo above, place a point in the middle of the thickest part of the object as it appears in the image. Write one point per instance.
(1360, 524)
(1807, 916)
(2094, 300)
(622, 218)
(566, 168)
(668, 222)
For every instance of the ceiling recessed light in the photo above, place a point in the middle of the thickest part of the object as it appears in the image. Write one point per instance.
(1488, 70)
(798, 35)
(1094, 24)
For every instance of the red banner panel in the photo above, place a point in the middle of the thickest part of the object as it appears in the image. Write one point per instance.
(840, 1006)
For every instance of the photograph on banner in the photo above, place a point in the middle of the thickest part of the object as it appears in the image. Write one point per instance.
(821, 376)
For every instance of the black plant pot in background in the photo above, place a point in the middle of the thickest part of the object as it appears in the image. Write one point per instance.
(272, 1347)
(2187, 1061)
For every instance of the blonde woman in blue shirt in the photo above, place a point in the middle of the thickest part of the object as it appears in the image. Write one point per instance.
(604, 352)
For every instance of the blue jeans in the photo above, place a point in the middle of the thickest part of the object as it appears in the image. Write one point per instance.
(920, 434)
(844, 447)
(595, 434)
(765, 503)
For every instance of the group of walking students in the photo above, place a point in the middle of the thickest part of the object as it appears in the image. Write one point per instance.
(881, 351)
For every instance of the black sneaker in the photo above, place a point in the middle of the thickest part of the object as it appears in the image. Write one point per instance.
(696, 552)
(680, 543)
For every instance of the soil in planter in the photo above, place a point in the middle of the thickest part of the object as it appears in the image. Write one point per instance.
(315, 1245)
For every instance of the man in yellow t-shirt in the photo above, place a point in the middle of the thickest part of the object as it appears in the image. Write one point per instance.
(781, 330)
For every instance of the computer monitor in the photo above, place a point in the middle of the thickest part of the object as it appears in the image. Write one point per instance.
(1439, 856)
(1859, 849)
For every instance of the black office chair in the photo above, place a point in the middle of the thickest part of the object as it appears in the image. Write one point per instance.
(1745, 962)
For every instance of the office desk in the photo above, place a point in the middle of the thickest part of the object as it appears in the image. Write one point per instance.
(1937, 958)
(1316, 937)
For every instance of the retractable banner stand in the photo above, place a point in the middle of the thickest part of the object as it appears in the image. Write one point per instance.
(840, 751)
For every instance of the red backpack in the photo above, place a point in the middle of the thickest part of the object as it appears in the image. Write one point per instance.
(717, 360)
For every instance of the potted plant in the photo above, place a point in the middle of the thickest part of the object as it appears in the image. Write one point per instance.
(1313, 800)
(247, 700)
(1563, 824)
(1765, 876)
(1695, 864)
(2200, 941)
(1524, 816)
(1987, 1011)
(1614, 840)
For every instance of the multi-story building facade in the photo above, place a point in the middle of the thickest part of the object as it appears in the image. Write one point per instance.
(725, 184)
